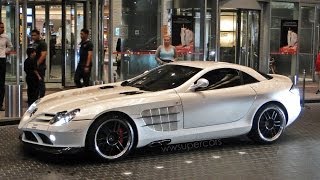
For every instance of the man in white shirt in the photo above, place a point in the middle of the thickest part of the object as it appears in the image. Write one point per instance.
(5, 47)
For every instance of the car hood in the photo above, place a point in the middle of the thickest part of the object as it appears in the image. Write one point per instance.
(77, 98)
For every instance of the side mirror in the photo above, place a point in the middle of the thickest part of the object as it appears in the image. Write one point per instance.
(201, 83)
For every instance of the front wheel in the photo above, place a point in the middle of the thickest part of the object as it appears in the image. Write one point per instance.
(111, 137)
(268, 124)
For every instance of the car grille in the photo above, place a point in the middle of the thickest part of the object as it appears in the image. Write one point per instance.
(161, 119)
(37, 137)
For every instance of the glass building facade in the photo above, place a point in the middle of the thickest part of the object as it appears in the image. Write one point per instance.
(126, 33)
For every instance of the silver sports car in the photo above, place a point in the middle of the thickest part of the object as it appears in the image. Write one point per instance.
(174, 103)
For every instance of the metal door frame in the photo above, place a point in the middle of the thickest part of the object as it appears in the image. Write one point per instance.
(315, 42)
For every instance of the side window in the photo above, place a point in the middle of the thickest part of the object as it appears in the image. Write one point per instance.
(247, 79)
(222, 78)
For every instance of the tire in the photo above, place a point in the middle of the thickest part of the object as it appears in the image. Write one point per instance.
(268, 124)
(111, 137)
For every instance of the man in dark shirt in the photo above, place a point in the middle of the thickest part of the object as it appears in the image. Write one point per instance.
(32, 76)
(41, 48)
(83, 70)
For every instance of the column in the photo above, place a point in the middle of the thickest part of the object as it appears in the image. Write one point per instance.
(215, 32)
(95, 40)
(203, 44)
(110, 41)
(17, 37)
(23, 32)
(63, 43)
(265, 40)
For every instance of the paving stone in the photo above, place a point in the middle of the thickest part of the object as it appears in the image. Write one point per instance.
(295, 156)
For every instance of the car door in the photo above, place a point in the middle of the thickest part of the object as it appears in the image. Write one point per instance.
(225, 100)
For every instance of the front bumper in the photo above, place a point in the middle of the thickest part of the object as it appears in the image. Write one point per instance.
(71, 135)
(53, 150)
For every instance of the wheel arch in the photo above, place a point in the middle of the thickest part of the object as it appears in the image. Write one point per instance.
(255, 133)
(276, 103)
(121, 114)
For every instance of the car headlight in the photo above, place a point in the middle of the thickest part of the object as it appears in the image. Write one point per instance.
(33, 106)
(64, 117)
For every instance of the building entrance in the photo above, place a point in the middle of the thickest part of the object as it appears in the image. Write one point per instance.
(239, 37)
(61, 35)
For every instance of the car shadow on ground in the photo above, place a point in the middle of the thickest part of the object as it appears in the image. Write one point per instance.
(140, 154)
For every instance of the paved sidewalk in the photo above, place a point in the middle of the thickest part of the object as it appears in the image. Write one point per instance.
(310, 97)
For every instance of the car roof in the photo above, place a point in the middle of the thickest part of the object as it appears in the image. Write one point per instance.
(208, 64)
(216, 65)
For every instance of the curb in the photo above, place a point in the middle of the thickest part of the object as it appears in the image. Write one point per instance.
(9, 121)
(312, 101)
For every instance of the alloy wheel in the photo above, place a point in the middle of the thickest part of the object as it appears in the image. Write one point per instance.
(113, 138)
(271, 124)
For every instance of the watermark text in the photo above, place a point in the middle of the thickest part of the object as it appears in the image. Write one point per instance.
(192, 145)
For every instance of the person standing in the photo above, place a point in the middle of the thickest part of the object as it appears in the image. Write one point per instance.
(32, 76)
(189, 37)
(5, 47)
(183, 35)
(41, 49)
(166, 53)
(83, 70)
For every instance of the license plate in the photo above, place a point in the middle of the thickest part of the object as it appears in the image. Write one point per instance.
(37, 126)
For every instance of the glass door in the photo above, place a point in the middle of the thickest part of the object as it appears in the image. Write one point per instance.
(228, 36)
(47, 18)
(307, 41)
(54, 43)
(8, 19)
(74, 24)
(239, 37)
(249, 39)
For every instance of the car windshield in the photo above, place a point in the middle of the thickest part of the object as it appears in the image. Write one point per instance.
(164, 77)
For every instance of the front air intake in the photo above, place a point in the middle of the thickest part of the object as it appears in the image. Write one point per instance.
(45, 139)
(30, 136)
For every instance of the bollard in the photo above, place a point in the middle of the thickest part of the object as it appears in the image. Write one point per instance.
(303, 87)
(295, 80)
(13, 101)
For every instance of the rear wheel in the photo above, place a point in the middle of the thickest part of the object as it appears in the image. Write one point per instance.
(111, 137)
(268, 124)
